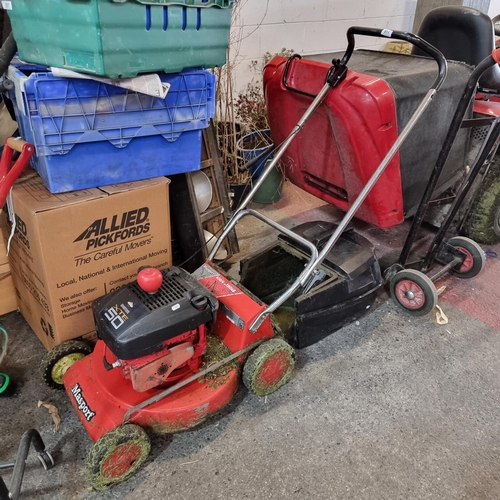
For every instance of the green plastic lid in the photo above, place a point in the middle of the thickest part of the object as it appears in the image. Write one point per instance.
(187, 3)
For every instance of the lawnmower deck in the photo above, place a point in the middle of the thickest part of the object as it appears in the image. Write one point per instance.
(102, 398)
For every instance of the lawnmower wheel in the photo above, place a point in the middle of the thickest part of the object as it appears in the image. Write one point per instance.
(58, 360)
(117, 455)
(474, 261)
(414, 292)
(269, 367)
(483, 221)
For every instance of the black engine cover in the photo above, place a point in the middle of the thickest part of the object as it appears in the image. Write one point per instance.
(134, 323)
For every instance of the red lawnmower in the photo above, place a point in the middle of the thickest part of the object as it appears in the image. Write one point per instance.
(171, 345)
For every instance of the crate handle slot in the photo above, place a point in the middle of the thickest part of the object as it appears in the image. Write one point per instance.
(165, 18)
(148, 17)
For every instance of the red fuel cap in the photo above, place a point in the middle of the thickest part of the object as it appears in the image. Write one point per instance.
(150, 279)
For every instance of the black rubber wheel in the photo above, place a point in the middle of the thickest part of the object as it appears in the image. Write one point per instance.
(414, 292)
(475, 258)
(57, 361)
(269, 367)
(117, 455)
(483, 221)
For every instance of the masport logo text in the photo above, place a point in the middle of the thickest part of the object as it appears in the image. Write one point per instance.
(106, 231)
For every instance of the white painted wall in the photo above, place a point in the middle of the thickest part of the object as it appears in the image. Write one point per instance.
(308, 26)
(494, 8)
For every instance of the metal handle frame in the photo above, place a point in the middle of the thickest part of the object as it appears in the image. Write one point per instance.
(335, 76)
(399, 35)
(31, 436)
(380, 33)
(302, 278)
(485, 154)
(455, 125)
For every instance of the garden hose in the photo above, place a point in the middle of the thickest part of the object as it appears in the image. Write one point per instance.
(3, 342)
(7, 387)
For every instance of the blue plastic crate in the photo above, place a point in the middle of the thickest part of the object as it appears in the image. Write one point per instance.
(89, 134)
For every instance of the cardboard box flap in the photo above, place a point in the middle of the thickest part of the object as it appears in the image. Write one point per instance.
(35, 196)
(130, 186)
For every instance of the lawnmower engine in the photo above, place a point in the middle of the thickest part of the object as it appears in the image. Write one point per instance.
(155, 328)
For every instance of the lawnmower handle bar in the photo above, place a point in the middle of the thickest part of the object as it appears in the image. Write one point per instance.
(399, 35)
(308, 269)
(336, 74)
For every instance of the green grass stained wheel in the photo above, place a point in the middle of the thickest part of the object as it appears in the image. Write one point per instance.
(414, 292)
(474, 257)
(117, 455)
(58, 360)
(483, 221)
(269, 367)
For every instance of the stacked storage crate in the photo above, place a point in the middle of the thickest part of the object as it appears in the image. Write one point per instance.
(88, 133)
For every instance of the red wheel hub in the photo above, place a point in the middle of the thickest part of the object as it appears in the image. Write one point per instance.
(410, 294)
(273, 369)
(468, 262)
(121, 460)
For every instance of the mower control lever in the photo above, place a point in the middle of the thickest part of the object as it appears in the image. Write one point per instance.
(337, 73)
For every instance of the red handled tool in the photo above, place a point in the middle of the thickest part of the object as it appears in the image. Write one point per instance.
(8, 173)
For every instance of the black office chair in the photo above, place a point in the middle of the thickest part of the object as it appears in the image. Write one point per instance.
(462, 34)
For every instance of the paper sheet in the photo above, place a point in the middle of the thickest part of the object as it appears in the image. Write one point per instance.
(149, 84)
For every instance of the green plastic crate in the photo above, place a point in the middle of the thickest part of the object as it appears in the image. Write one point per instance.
(121, 38)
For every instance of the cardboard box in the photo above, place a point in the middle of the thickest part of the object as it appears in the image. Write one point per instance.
(71, 248)
(8, 300)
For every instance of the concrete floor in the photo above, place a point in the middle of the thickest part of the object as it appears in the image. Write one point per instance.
(389, 407)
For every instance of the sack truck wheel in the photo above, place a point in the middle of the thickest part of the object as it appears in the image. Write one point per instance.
(483, 221)
(58, 360)
(474, 261)
(414, 292)
(269, 367)
(117, 455)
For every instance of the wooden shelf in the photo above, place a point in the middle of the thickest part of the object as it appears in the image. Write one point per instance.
(188, 223)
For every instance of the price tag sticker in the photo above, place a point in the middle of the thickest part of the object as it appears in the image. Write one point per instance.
(387, 33)
(6, 5)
